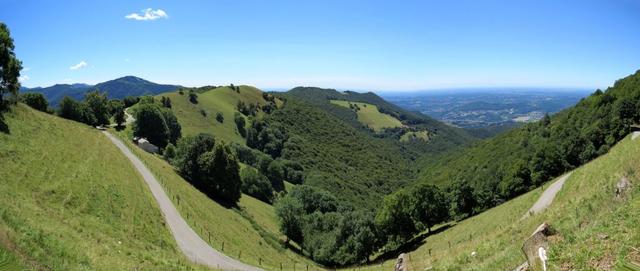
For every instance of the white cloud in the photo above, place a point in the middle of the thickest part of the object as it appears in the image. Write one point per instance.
(148, 15)
(26, 69)
(23, 78)
(78, 66)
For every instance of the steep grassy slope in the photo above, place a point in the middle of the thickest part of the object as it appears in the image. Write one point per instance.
(221, 99)
(370, 116)
(250, 233)
(595, 231)
(348, 162)
(71, 201)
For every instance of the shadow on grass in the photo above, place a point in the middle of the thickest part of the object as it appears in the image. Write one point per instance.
(4, 128)
(412, 245)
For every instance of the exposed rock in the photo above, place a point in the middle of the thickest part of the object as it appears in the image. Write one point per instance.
(536, 246)
(402, 264)
(622, 187)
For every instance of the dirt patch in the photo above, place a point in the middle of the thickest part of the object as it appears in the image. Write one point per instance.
(605, 263)
(634, 256)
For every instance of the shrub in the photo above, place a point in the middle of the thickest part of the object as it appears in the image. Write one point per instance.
(240, 124)
(220, 117)
(256, 185)
(35, 100)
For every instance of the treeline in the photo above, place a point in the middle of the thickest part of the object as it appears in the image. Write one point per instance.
(334, 233)
(95, 110)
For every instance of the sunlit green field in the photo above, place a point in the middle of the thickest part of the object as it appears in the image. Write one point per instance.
(222, 99)
(71, 200)
(370, 116)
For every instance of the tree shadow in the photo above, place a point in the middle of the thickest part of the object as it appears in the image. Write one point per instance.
(4, 128)
(120, 127)
(412, 245)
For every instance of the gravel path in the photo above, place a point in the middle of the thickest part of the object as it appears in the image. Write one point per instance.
(635, 135)
(547, 196)
(196, 249)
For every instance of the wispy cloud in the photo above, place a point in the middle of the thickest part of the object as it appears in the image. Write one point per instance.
(78, 66)
(23, 78)
(26, 69)
(148, 15)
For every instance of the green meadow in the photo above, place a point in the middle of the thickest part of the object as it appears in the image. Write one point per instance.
(72, 201)
(369, 115)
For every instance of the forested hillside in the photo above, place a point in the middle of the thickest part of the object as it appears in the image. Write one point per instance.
(523, 158)
(337, 157)
(442, 137)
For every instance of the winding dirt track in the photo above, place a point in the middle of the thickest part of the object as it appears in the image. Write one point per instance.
(196, 249)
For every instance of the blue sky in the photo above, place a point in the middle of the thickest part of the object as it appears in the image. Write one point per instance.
(361, 45)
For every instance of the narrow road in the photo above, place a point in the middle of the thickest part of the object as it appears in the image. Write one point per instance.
(196, 249)
(635, 135)
(547, 196)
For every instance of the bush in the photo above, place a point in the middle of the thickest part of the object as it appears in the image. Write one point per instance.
(193, 98)
(169, 152)
(220, 117)
(240, 124)
(35, 100)
(256, 185)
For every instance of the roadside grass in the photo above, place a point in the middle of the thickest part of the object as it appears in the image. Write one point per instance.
(222, 99)
(595, 231)
(249, 232)
(9, 262)
(371, 116)
(71, 201)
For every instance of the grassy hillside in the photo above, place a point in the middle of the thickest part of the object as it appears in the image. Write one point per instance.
(212, 101)
(369, 115)
(595, 231)
(72, 201)
(249, 233)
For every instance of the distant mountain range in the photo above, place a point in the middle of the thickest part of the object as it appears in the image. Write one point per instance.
(116, 89)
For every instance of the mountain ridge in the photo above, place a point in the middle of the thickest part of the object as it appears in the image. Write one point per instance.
(116, 89)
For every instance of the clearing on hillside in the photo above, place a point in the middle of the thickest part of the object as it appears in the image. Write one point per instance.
(369, 115)
(200, 117)
(72, 201)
